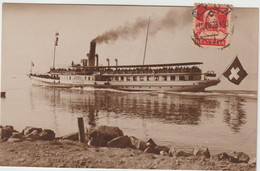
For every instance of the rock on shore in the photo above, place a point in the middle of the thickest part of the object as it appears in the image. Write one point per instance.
(106, 136)
(120, 142)
(7, 133)
(137, 143)
(103, 134)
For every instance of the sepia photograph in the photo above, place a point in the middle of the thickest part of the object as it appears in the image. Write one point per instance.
(129, 86)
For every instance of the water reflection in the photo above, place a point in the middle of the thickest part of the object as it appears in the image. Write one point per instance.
(163, 108)
(176, 109)
(234, 113)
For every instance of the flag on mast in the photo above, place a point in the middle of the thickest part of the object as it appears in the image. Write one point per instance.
(57, 38)
(32, 65)
(235, 72)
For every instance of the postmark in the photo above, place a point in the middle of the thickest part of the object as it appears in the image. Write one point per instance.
(211, 25)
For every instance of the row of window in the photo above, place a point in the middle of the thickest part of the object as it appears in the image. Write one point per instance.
(141, 78)
(152, 78)
(69, 78)
(145, 87)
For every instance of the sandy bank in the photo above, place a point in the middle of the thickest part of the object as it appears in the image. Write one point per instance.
(66, 153)
(107, 147)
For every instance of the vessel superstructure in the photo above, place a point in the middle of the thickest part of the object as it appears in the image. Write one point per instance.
(149, 77)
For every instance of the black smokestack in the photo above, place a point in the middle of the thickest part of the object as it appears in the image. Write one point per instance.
(92, 53)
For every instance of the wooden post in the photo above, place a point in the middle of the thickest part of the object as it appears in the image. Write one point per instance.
(81, 130)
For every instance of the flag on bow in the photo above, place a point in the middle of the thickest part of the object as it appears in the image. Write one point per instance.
(235, 72)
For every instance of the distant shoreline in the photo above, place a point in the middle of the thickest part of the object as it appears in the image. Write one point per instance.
(19, 76)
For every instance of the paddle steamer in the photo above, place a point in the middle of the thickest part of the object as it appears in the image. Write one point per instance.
(150, 77)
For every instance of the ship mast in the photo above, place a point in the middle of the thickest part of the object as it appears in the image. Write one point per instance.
(56, 44)
(146, 40)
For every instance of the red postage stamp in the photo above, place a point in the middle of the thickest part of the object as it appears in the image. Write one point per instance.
(211, 25)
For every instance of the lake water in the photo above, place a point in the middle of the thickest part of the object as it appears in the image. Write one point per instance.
(221, 120)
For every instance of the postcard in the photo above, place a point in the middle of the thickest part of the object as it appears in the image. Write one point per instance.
(125, 86)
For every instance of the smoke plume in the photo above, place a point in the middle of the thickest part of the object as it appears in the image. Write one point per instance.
(173, 19)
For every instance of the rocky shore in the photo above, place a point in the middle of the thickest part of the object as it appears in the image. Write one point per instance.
(107, 147)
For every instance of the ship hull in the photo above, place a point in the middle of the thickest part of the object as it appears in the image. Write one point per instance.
(175, 86)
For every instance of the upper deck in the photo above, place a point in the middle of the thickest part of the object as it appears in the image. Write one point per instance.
(173, 68)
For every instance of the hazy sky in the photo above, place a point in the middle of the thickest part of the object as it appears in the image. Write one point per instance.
(29, 35)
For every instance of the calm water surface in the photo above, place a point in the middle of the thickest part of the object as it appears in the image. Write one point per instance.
(223, 121)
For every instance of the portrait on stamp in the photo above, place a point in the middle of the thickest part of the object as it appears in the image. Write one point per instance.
(211, 26)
